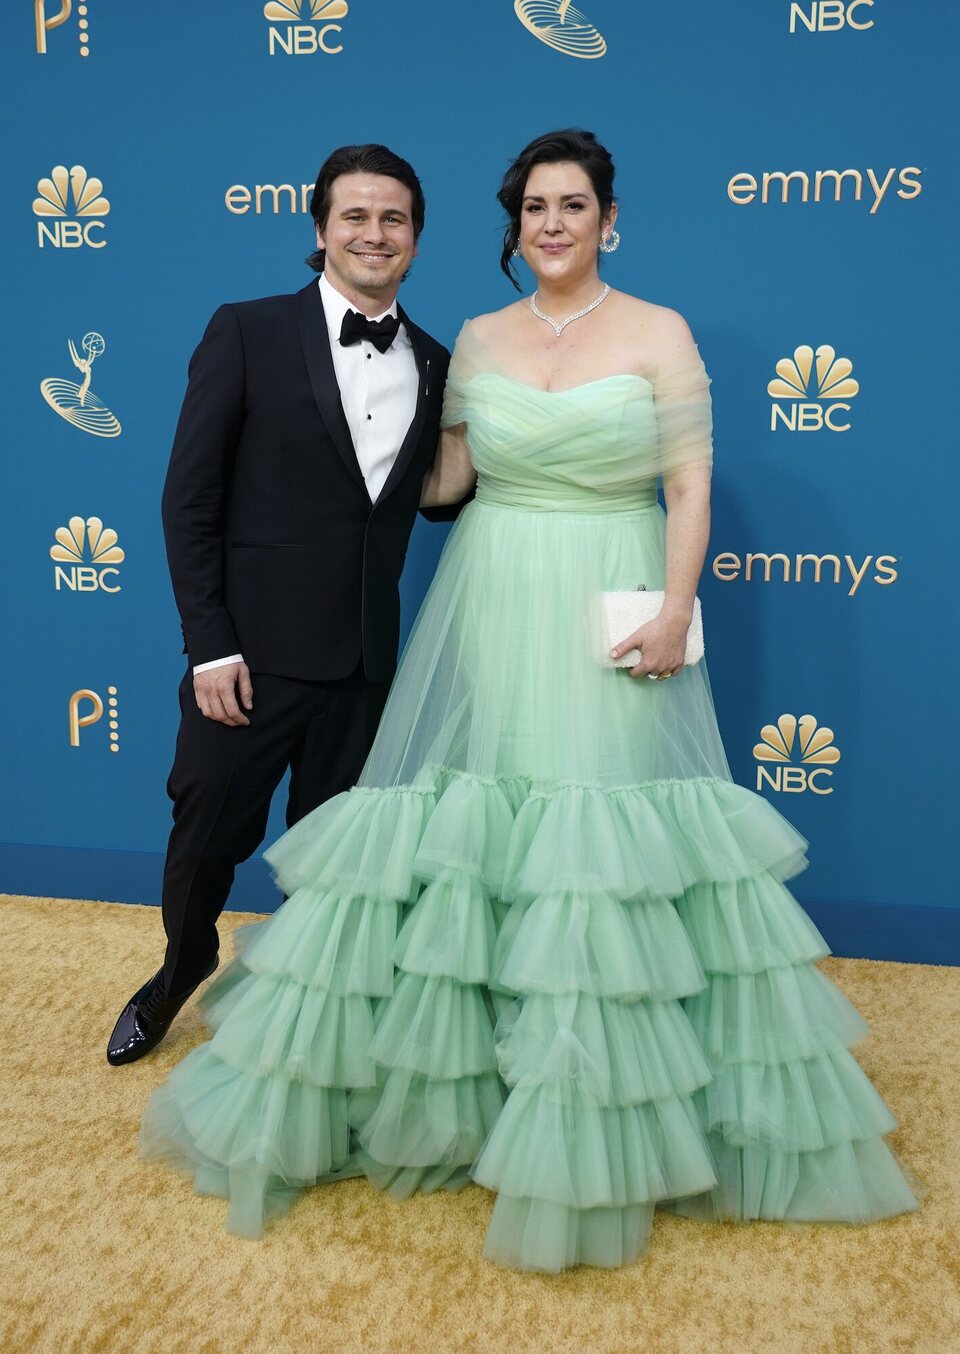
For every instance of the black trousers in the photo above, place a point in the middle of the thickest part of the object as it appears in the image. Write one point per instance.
(223, 780)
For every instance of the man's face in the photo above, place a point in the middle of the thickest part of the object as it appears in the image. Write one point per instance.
(368, 236)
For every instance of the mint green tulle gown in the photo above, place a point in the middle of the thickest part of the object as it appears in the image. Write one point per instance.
(545, 944)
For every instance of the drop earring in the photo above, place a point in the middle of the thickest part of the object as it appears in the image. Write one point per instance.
(517, 252)
(608, 243)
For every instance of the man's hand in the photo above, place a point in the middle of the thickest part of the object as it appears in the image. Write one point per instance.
(217, 690)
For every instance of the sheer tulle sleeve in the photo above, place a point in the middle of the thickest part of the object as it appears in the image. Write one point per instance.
(681, 391)
(465, 362)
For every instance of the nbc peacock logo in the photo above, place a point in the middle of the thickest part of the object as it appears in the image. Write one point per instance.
(71, 208)
(561, 26)
(305, 27)
(75, 401)
(793, 740)
(817, 396)
(86, 555)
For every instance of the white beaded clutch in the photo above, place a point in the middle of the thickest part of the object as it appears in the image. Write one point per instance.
(618, 614)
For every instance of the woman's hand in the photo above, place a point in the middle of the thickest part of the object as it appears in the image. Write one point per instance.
(662, 642)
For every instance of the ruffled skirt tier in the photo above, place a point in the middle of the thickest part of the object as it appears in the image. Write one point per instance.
(434, 1004)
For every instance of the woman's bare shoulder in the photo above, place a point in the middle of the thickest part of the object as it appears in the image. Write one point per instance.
(495, 324)
(659, 322)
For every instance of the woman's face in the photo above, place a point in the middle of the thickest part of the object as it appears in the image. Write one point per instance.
(560, 223)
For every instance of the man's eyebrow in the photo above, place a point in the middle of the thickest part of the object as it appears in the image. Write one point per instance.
(387, 211)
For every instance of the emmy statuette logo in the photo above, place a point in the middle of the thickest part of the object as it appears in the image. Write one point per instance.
(90, 552)
(816, 401)
(815, 750)
(53, 205)
(85, 707)
(561, 26)
(827, 16)
(45, 22)
(76, 402)
(309, 26)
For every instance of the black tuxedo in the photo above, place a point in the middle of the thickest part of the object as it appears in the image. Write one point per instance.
(274, 548)
(276, 552)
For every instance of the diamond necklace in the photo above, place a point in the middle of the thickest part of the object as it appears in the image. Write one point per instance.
(559, 328)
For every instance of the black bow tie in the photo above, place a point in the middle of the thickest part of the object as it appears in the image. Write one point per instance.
(380, 333)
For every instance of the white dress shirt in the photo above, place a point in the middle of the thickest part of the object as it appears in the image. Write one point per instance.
(378, 392)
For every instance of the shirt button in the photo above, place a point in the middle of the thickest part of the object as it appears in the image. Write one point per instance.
(369, 355)
(369, 416)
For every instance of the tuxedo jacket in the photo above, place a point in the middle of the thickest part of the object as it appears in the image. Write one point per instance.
(274, 547)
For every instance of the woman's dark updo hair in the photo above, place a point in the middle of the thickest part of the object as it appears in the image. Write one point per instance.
(568, 146)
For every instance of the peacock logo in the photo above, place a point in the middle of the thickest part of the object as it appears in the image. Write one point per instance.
(561, 26)
(70, 226)
(75, 401)
(793, 740)
(86, 555)
(308, 26)
(291, 11)
(816, 393)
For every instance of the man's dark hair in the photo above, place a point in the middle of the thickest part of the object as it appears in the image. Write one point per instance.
(370, 159)
(570, 145)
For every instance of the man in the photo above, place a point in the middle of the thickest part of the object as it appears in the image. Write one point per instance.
(307, 428)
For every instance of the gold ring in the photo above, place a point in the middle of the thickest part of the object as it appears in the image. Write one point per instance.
(662, 676)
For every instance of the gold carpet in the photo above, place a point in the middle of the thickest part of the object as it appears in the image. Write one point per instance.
(101, 1252)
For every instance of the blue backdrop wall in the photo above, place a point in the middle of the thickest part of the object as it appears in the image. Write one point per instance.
(787, 176)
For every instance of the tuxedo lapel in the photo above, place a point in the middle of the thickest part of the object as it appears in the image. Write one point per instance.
(415, 430)
(315, 340)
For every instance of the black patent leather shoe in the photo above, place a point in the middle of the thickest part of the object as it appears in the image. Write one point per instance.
(146, 1018)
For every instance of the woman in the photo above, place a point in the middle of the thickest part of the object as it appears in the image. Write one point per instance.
(545, 942)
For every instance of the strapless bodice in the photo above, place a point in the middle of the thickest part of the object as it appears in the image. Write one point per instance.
(590, 448)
